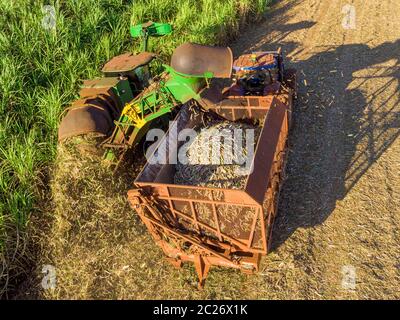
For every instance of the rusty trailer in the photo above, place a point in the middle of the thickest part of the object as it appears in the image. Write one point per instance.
(171, 212)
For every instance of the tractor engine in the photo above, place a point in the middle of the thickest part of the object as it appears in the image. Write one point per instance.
(254, 72)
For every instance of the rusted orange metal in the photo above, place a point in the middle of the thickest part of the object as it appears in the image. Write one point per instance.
(169, 210)
(94, 111)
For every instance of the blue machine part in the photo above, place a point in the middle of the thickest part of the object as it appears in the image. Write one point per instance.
(259, 67)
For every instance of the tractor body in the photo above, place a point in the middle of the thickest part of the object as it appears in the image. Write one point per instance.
(137, 89)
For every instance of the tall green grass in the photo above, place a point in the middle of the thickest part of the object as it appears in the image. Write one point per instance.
(41, 70)
(200, 21)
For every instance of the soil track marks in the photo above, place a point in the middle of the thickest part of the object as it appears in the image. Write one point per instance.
(339, 208)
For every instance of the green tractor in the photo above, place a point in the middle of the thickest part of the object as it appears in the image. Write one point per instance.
(138, 89)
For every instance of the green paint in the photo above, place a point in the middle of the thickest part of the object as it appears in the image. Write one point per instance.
(153, 30)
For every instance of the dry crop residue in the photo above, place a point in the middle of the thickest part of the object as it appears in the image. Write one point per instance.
(339, 208)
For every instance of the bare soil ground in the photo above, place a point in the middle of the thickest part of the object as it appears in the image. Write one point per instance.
(339, 207)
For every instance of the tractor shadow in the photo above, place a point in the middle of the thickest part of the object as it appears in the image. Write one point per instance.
(339, 131)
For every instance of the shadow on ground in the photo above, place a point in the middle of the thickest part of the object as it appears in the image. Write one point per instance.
(339, 132)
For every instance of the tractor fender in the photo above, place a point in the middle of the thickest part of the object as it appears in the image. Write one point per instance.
(85, 119)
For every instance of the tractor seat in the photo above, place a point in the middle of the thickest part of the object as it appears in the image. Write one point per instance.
(195, 60)
(127, 62)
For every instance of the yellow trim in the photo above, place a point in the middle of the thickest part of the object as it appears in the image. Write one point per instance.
(134, 115)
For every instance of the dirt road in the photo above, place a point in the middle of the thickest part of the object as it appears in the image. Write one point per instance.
(338, 230)
(338, 234)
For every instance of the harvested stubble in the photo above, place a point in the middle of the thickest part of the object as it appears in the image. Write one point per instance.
(92, 224)
(219, 167)
(99, 246)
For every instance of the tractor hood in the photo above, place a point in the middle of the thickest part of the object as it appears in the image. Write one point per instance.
(195, 60)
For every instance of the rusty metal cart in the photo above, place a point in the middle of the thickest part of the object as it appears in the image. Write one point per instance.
(171, 211)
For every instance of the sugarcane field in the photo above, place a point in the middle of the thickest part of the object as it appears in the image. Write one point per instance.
(199, 150)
